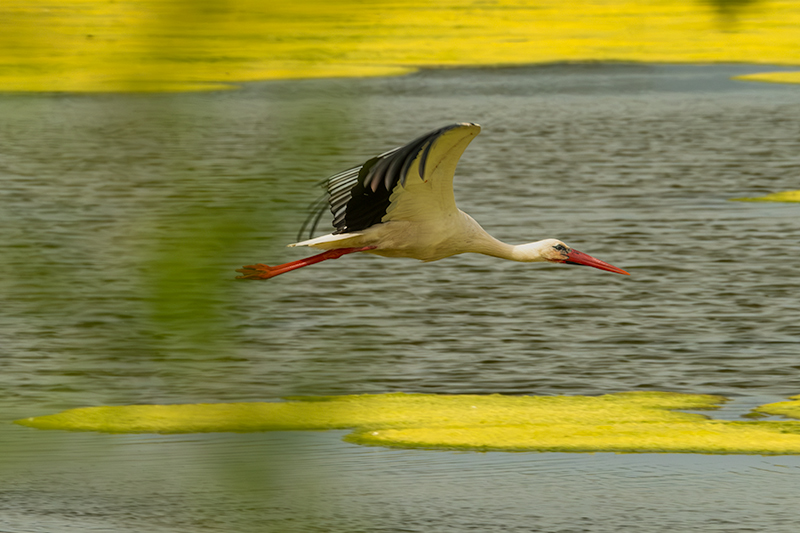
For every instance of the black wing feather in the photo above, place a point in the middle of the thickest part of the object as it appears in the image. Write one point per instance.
(359, 197)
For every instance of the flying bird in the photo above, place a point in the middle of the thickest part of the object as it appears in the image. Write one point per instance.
(401, 204)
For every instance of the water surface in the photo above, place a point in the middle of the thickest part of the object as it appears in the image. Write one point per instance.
(124, 216)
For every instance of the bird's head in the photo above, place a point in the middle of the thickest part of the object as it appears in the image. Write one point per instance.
(555, 251)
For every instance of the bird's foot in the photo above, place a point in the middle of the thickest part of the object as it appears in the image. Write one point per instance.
(257, 271)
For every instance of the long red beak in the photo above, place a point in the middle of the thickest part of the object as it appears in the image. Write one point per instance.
(579, 258)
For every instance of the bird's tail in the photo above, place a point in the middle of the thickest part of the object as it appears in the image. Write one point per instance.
(328, 242)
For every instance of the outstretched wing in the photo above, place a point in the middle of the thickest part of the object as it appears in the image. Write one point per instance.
(403, 183)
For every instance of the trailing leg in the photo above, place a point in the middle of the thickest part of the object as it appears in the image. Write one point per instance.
(261, 271)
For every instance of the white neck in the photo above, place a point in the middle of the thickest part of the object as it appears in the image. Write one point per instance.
(480, 242)
(526, 253)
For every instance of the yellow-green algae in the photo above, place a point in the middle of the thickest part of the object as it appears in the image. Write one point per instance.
(622, 422)
(787, 196)
(771, 77)
(789, 409)
(173, 45)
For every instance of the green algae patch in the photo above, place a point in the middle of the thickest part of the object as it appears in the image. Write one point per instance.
(790, 409)
(622, 422)
(170, 45)
(771, 77)
(712, 436)
(787, 196)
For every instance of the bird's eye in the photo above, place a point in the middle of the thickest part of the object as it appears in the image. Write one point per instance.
(560, 248)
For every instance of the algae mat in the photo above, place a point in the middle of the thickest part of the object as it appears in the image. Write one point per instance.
(622, 422)
(177, 45)
(787, 196)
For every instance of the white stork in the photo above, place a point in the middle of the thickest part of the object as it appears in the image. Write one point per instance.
(401, 204)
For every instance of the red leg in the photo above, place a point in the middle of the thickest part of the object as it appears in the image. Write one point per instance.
(259, 271)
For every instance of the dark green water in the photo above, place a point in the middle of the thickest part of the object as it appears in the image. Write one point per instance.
(124, 216)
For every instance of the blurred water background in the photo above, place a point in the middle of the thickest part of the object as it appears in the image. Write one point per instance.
(124, 216)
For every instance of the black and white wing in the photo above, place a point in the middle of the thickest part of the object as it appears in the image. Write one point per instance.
(407, 183)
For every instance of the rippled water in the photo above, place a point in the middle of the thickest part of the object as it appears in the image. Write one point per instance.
(123, 217)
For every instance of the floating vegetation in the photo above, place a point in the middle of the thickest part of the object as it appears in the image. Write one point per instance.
(789, 409)
(622, 422)
(173, 45)
(788, 196)
(771, 77)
